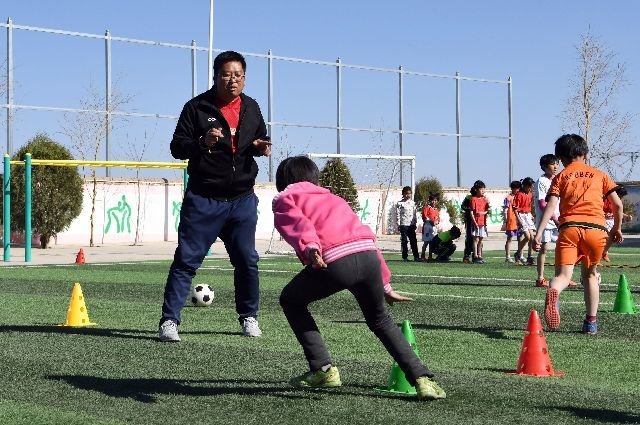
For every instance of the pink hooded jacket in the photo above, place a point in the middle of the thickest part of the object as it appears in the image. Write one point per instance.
(309, 216)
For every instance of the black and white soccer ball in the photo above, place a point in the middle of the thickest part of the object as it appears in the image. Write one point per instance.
(202, 295)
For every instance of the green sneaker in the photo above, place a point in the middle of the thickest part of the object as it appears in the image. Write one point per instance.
(427, 389)
(317, 379)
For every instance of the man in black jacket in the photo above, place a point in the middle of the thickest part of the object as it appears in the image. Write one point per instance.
(220, 132)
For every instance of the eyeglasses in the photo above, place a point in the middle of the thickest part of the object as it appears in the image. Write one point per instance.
(229, 77)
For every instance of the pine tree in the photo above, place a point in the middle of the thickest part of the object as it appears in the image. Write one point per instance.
(336, 177)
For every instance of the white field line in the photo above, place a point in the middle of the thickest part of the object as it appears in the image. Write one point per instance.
(515, 300)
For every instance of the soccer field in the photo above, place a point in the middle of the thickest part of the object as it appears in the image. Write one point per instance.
(468, 322)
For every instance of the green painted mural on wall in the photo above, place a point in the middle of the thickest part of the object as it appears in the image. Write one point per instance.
(176, 214)
(121, 215)
(364, 211)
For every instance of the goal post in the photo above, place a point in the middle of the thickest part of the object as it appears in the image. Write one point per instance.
(385, 166)
(374, 176)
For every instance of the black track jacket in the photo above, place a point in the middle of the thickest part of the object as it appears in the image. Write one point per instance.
(216, 172)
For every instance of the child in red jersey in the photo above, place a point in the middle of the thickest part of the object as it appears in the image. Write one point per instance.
(509, 220)
(479, 210)
(522, 206)
(430, 221)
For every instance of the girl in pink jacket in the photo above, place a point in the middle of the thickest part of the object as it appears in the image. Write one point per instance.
(339, 253)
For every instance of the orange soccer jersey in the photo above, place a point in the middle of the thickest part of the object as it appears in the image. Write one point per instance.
(581, 189)
(511, 223)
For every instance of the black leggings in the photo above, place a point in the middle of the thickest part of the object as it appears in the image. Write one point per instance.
(359, 274)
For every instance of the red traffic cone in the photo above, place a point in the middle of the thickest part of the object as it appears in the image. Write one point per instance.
(80, 257)
(534, 355)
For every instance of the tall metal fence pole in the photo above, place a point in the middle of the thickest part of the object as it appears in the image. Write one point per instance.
(210, 50)
(270, 114)
(338, 105)
(28, 234)
(510, 111)
(107, 61)
(9, 86)
(194, 75)
(458, 127)
(6, 208)
(401, 118)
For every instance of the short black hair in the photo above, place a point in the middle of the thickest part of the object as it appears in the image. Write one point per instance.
(406, 189)
(547, 160)
(455, 232)
(527, 181)
(571, 146)
(479, 184)
(516, 184)
(296, 169)
(433, 196)
(228, 56)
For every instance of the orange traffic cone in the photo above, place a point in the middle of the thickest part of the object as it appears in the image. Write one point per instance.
(80, 257)
(77, 314)
(534, 355)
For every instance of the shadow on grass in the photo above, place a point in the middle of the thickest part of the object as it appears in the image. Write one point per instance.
(111, 333)
(147, 390)
(488, 332)
(491, 333)
(89, 331)
(601, 415)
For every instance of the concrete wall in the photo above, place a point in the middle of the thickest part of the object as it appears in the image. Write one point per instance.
(153, 209)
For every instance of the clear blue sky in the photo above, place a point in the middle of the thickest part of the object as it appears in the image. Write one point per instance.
(532, 42)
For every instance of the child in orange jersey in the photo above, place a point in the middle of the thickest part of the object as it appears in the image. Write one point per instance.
(580, 190)
(509, 220)
(522, 202)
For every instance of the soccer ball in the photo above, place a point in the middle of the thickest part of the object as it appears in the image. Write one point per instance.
(202, 295)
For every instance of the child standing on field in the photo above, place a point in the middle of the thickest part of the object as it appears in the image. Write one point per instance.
(509, 220)
(579, 189)
(339, 253)
(465, 208)
(479, 210)
(430, 221)
(609, 220)
(549, 164)
(407, 224)
(522, 206)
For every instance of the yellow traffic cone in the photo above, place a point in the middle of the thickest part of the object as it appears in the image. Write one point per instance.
(77, 314)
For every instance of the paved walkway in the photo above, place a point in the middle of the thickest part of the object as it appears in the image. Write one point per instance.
(150, 251)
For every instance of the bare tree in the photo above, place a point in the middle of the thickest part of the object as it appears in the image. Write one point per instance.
(137, 152)
(591, 109)
(86, 131)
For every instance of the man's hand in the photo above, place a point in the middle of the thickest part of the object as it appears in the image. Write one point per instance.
(212, 136)
(316, 259)
(393, 297)
(263, 146)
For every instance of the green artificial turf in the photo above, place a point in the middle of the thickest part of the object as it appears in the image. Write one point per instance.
(468, 320)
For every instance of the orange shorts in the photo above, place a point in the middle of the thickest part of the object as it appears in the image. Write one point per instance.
(580, 243)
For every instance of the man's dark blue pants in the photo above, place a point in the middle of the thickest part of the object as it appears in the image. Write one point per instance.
(202, 220)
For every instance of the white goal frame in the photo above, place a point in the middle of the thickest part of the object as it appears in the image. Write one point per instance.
(275, 236)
